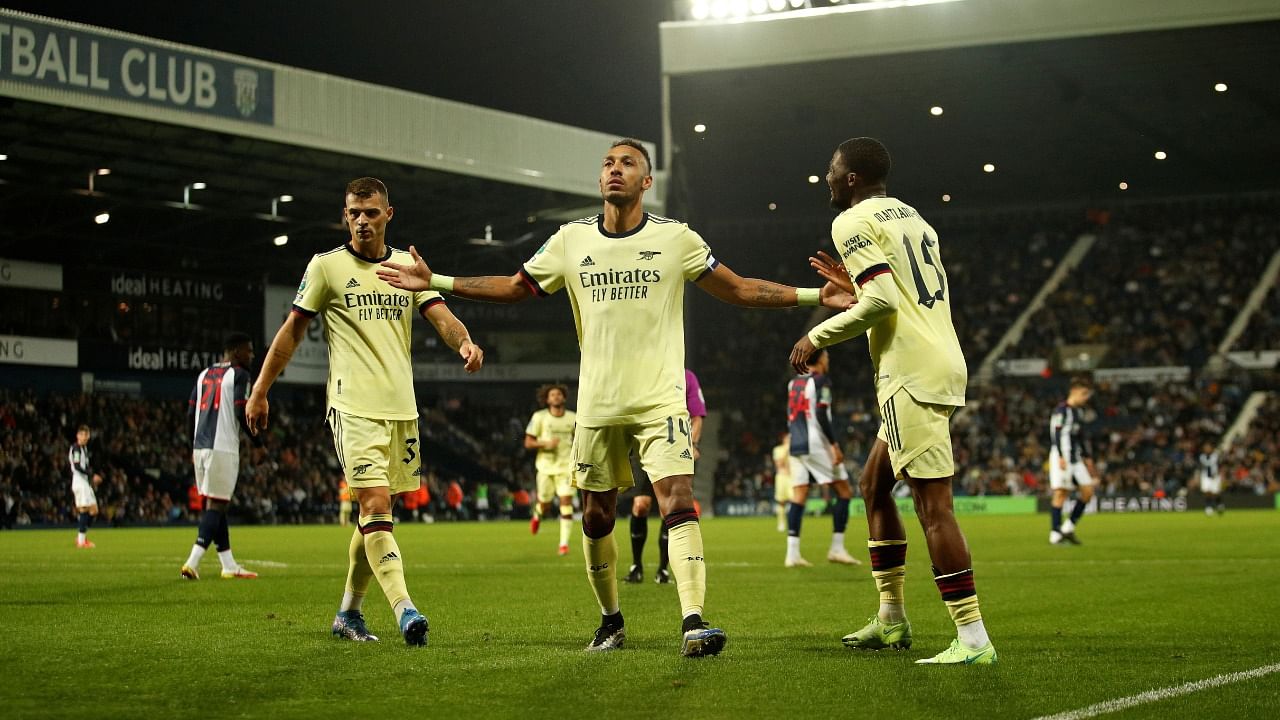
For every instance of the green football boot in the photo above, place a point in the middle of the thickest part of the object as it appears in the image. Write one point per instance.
(877, 635)
(958, 654)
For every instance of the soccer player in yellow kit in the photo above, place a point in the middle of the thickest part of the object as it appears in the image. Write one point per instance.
(781, 455)
(550, 432)
(625, 271)
(372, 412)
(904, 307)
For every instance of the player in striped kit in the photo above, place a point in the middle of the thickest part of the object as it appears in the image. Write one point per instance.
(1211, 480)
(83, 480)
(1069, 462)
(815, 457)
(217, 412)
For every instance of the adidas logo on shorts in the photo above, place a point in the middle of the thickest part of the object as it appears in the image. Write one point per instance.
(686, 455)
(352, 283)
(587, 262)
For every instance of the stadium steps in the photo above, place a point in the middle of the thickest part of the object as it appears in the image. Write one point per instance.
(1070, 261)
(1258, 296)
(1240, 426)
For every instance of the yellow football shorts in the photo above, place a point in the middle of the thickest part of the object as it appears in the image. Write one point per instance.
(782, 487)
(600, 454)
(377, 453)
(918, 435)
(553, 485)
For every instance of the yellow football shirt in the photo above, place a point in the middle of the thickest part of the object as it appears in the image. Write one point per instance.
(627, 294)
(544, 426)
(916, 347)
(782, 463)
(368, 325)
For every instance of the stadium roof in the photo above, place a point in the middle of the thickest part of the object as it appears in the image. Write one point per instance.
(229, 227)
(191, 156)
(1064, 116)
(1062, 119)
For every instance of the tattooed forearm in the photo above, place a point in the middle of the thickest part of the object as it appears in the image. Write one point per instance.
(454, 335)
(768, 294)
(471, 283)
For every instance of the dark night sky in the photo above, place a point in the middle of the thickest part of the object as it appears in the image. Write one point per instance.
(588, 63)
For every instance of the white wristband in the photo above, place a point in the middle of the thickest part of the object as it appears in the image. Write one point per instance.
(441, 283)
(808, 296)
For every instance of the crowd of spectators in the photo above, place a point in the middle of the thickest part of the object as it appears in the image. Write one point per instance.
(1144, 438)
(1263, 331)
(142, 449)
(1160, 287)
(1253, 461)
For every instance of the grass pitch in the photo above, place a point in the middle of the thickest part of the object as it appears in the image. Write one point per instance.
(1150, 601)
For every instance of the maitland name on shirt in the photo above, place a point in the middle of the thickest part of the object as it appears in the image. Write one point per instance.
(896, 213)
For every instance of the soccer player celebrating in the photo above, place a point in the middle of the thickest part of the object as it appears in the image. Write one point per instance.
(550, 432)
(816, 457)
(893, 258)
(625, 270)
(217, 409)
(1069, 462)
(643, 500)
(372, 411)
(1211, 480)
(83, 480)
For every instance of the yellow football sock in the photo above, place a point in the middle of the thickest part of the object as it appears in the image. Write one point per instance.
(379, 543)
(889, 568)
(602, 560)
(358, 571)
(684, 543)
(964, 611)
(566, 525)
(960, 595)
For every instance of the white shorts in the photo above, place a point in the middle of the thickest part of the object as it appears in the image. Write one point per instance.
(816, 468)
(1211, 486)
(216, 472)
(1075, 474)
(83, 490)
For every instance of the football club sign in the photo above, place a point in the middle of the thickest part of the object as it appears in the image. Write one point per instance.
(85, 60)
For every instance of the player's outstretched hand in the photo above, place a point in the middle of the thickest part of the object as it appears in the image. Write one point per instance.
(800, 354)
(471, 354)
(834, 297)
(413, 277)
(255, 412)
(832, 270)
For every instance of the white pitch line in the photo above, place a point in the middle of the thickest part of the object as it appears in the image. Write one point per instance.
(1151, 696)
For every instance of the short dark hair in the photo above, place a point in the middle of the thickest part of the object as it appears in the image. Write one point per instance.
(235, 340)
(633, 143)
(815, 357)
(867, 157)
(545, 390)
(82, 428)
(1081, 381)
(367, 187)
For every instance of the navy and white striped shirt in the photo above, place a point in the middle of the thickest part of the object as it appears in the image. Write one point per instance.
(1066, 433)
(217, 402)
